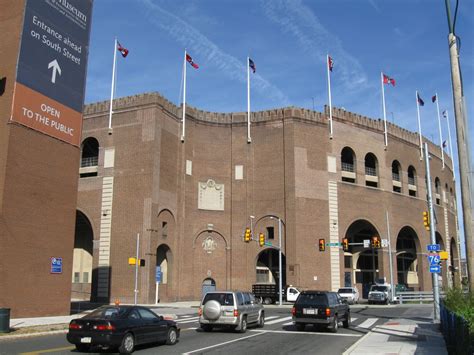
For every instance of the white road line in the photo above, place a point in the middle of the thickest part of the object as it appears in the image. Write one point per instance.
(224, 343)
(187, 320)
(279, 320)
(186, 316)
(313, 333)
(271, 317)
(367, 323)
(353, 320)
(289, 323)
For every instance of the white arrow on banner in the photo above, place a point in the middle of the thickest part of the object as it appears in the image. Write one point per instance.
(56, 68)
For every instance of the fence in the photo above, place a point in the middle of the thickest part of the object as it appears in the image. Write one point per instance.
(456, 332)
(416, 296)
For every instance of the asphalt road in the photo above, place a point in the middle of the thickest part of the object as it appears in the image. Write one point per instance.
(278, 336)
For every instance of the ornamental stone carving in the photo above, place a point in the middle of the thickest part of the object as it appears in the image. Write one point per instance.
(210, 196)
(209, 244)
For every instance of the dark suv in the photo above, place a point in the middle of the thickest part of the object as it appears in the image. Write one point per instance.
(320, 308)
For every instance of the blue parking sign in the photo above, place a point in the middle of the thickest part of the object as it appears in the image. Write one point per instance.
(158, 274)
(56, 265)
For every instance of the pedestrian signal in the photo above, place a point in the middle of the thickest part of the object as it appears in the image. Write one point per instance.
(345, 244)
(261, 239)
(376, 241)
(247, 235)
(426, 220)
(322, 244)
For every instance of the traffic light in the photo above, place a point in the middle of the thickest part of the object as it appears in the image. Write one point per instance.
(375, 241)
(141, 262)
(247, 235)
(426, 220)
(345, 244)
(261, 239)
(322, 244)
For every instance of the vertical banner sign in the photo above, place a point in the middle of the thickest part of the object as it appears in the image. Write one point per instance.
(51, 72)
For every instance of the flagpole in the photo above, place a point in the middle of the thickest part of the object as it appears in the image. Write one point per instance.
(329, 95)
(112, 87)
(419, 126)
(440, 134)
(184, 97)
(450, 146)
(384, 113)
(249, 139)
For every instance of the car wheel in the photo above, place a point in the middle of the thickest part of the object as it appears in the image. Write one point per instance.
(243, 325)
(128, 344)
(261, 320)
(347, 321)
(206, 327)
(335, 324)
(172, 336)
(299, 327)
(83, 348)
(267, 300)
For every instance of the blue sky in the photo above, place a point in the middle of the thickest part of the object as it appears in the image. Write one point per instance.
(288, 40)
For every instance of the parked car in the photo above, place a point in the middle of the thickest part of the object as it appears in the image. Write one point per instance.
(234, 310)
(320, 308)
(350, 294)
(269, 293)
(121, 327)
(380, 293)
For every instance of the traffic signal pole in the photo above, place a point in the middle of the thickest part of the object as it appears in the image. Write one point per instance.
(434, 275)
(137, 261)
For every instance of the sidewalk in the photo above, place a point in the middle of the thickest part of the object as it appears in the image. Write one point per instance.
(401, 336)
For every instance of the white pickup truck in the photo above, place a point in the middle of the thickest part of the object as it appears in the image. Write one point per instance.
(380, 293)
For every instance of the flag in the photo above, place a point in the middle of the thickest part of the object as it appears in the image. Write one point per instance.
(252, 65)
(330, 63)
(445, 114)
(433, 99)
(190, 61)
(444, 144)
(388, 80)
(420, 101)
(123, 51)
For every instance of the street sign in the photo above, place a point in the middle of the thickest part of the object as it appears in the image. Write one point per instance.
(51, 70)
(435, 268)
(56, 265)
(158, 274)
(384, 243)
(433, 247)
(333, 244)
(366, 243)
(434, 259)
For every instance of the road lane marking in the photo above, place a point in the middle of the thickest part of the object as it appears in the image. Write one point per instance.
(48, 350)
(189, 320)
(271, 317)
(367, 323)
(289, 323)
(224, 343)
(298, 332)
(279, 320)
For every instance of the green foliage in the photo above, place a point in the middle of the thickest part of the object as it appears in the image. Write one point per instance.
(462, 304)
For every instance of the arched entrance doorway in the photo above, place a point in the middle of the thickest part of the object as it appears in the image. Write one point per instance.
(82, 276)
(361, 265)
(408, 253)
(164, 260)
(267, 267)
(208, 285)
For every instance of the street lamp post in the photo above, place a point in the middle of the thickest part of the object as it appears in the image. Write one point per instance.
(279, 263)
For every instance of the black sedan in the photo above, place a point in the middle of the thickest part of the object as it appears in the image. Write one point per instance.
(121, 327)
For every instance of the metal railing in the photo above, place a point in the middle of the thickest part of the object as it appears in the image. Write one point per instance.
(370, 171)
(347, 167)
(411, 181)
(89, 161)
(455, 329)
(396, 176)
(416, 296)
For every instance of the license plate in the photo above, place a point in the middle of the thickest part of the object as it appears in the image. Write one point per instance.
(229, 313)
(310, 311)
(86, 340)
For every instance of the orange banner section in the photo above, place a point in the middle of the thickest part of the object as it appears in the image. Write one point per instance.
(34, 110)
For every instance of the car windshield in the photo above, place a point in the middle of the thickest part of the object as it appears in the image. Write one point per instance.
(345, 290)
(378, 288)
(312, 299)
(226, 299)
(108, 313)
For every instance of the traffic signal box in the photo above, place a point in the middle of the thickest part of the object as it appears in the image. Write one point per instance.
(426, 220)
(376, 243)
(247, 235)
(261, 239)
(345, 244)
(322, 244)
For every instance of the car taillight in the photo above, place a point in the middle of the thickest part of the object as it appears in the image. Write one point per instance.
(75, 326)
(104, 327)
(236, 313)
(293, 311)
(200, 311)
(328, 312)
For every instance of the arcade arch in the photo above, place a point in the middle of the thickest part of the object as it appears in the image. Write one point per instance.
(409, 259)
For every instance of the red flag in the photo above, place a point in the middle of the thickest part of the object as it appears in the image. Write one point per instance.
(123, 51)
(330, 63)
(433, 99)
(420, 100)
(388, 80)
(190, 61)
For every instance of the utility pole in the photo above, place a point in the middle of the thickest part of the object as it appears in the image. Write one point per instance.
(434, 275)
(137, 262)
(462, 135)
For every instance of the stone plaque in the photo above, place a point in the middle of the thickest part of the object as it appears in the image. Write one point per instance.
(210, 196)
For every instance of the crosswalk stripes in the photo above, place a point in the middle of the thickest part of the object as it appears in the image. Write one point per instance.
(279, 320)
(367, 323)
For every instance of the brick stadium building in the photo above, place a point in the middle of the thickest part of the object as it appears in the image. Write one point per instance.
(191, 201)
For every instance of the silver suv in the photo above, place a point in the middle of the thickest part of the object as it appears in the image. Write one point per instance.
(230, 309)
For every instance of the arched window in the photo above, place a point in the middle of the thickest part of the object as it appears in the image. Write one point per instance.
(371, 176)
(437, 190)
(446, 196)
(411, 181)
(89, 157)
(452, 197)
(348, 168)
(396, 176)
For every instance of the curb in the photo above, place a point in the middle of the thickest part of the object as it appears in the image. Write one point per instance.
(356, 344)
(27, 335)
